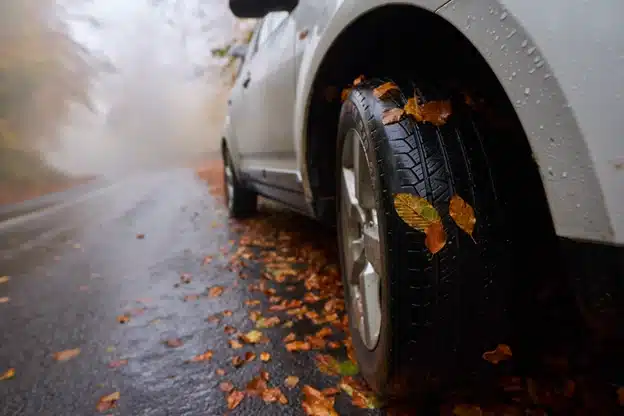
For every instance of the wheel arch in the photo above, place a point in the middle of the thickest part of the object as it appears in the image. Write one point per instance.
(560, 151)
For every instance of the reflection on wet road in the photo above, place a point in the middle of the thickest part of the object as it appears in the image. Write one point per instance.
(74, 270)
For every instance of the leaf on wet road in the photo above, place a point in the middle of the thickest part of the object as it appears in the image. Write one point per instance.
(4, 279)
(226, 386)
(117, 363)
(315, 403)
(206, 356)
(361, 395)
(8, 374)
(108, 402)
(67, 354)
(345, 94)
(263, 322)
(213, 318)
(237, 361)
(252, 302)
(215, 291)
(235, 344)
(462, 213)
(220, 372)
(290, 337)
(229, 329)
(329, 365)
(392, 115)
(252, 337)
(291, 381)
(273, 395)
(173, 342)
(385, 89)
(265, 356)
(250, 356)
(227, 312)
(122, 319)
(419, 214)
(207, 260)
(234, 398)
(298, 346)
(501, 353)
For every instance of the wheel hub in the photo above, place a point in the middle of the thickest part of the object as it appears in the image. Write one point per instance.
(361, 249)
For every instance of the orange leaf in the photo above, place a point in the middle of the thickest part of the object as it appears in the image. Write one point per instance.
(237, 361)
(122, 319)
(273, 395)
(392, 115)
(252, 337)
(413, 109)
(207, 260)
(436, 237)
(463, 214)
(215, 291)
(501, 353)
(250, 356)
(207, 356)
(291, 381)
(66, 355)
(229, 330)
(108, 402)
(234, 398)
(436, 112)
(290, 337)
(314, 403)
(227, 312)
(256, 386)
(235, 344)
(298, 346)
(345, 94)
(265, 356)
(358, 80)
(220, 372)
(384, 89)
(8, 374)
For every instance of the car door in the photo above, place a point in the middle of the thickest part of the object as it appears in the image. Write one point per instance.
(265, 117)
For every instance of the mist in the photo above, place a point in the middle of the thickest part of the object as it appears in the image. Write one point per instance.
(161, 103)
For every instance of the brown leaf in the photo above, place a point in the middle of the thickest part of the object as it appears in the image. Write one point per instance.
(207, 356)
(213, 318)
(361, 395)
(229, 330)
(385, 89)
(314, 403)
(274, 394)
(215, 291)
(330, 391)
(392, 115)
(436, 237)
(4, 279)
(345, 94)
(264, 375)
(122, 319)
(291, 381)
(237, 361)
(298, 346)
(226, 386)
(140, 236)
(174, 342)
(108, 402)
(220, 372)
(290, 337)
(8, 374)
(235, 344)
(67, 354)
(501, 353)
(436, 112)
(467, 410)
(265, 356)
(250, 356)
(252, 302)
(413, 109)
(227, 312)
(234, 398)
(463, 214)
(256, 386)
(117, 363)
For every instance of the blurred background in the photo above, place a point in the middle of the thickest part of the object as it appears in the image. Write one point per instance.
(102, 88)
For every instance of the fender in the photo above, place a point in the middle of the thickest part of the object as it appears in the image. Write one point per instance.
(549, 85)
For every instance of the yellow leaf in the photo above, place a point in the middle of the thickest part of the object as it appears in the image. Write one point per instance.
(392, 115)
(417, 212)
(463, 214)
(385, 89)
(436, 237)
(7, 375)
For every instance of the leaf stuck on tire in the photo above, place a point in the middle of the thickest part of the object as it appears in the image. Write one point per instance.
(392, 115)
(419, 214)
(462, 213)
(434, 112)
(385, 89)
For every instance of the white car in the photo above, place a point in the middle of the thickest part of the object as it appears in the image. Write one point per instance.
(517, 107)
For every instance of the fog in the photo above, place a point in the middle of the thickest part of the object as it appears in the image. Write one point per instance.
(164, 103)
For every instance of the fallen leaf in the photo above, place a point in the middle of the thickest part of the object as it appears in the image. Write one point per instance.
(467, 410)
(140, 236)
(4, 279)
(252, 302)
(501, 353)
(207, 260)
(226, 386)
(298, 346)
(229, 330)
(419, 214)
(4, 299)
(117, 364)
(122, 319)
(358, 80)
(263, 323)
(413, 109)
(288, 324)
(252, 337)
(436, 112)
(220, 372)
(329, 365)
(264, 375)
(254, 315)
(235, 344)
(213, 318)
(250, 356)
(237, 361)
(227, 312)
(330, 391)
(207, 356)
(215, 291)
(67, 354)
(8, 374)
(463, 214)
(291, 381)
(384, 89)
(290, 337)
(361, 395)
(265, 356)
(234, 398)
(185, 278)
(314, 403)
(435, 239)
(392, 115)
(174, 342)
(273, 395)
(191, 298)
(108, 402)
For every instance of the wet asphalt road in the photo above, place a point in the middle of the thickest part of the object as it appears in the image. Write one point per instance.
(74, 269)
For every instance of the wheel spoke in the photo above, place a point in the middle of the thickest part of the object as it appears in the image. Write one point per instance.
(372, 246)
(369, 290)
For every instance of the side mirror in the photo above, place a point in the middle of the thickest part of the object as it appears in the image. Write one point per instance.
(255, 9)
(238, 51)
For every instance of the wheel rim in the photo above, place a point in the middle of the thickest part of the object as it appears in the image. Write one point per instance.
(229, 183)
(361, 249)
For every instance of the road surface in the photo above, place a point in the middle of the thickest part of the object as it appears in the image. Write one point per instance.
(74, 269)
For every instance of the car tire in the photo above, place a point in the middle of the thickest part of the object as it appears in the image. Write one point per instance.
(438, 313)
(241, 202)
